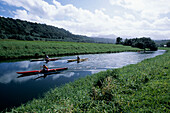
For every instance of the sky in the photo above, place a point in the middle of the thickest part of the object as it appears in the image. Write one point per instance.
(96, 18)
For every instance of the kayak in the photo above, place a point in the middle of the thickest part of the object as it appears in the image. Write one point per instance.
(81, 60)
(41, 72)
(32, 60)
(51, 59)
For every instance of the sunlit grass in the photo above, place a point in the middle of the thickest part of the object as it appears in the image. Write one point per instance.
(27, 49)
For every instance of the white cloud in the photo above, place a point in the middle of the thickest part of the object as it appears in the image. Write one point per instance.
(154, 34)
(36, 7)
(149, 9)
(141, 17)
(129, 16)
(162, 24)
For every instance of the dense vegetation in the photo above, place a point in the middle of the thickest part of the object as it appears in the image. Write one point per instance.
(23, 30)
(11, 49)
(141, 43)
(142, 87)
(168, 44)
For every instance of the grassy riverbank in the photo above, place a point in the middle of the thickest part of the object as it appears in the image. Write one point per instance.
(142, 87)
(13, 49)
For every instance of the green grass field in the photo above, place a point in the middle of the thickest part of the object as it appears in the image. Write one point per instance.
(142, 87)
(13, 49)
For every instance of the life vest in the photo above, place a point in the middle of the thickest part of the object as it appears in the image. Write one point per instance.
(45, 67)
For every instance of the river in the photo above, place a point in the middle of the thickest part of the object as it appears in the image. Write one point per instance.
(15, 91)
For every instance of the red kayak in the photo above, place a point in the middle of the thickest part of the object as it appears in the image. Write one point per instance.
(40, 71)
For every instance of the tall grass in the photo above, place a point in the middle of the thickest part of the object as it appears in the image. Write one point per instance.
(142, 87)
(27, 49)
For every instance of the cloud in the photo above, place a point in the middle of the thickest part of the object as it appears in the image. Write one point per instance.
(154, 34)
(149, 9)
(129, 16)
(162, 24)
(141, 16)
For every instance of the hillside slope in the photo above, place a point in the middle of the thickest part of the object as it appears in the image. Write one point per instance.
(23, 30)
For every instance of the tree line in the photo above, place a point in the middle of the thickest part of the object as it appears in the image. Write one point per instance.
(141, 43)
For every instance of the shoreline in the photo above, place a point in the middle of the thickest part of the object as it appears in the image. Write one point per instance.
(125, 89)
(17, 50)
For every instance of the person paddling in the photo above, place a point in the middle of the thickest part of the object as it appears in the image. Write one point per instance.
(45, 68)
(78, 58)
(46, 58)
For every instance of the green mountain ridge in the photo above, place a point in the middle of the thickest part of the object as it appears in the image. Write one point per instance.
(23, 30)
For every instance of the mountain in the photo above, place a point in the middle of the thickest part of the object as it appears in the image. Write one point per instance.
(104, 40)
(23, 30)
(110, 36)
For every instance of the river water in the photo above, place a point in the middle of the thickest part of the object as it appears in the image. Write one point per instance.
(14, 90)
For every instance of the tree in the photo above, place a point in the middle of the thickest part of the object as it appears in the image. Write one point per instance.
(168, 44)
(3, 36)
(153, 46)
(118, 40)
(141, 43)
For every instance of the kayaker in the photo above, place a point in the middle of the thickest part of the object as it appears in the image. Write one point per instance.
(78, 58)
(46, 57)
(45, 68)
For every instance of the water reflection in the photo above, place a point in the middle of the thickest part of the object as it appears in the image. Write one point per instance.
(16, 90)
(42, 75)
(94, 64)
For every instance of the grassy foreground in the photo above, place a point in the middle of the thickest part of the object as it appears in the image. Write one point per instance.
(142, 87)
(13, 49)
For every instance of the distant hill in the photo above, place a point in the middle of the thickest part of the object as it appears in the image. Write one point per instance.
(108, 36)
(23, 30)
(161, 43)
(103, 40)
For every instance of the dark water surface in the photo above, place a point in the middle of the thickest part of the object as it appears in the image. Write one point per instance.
(15, 91)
